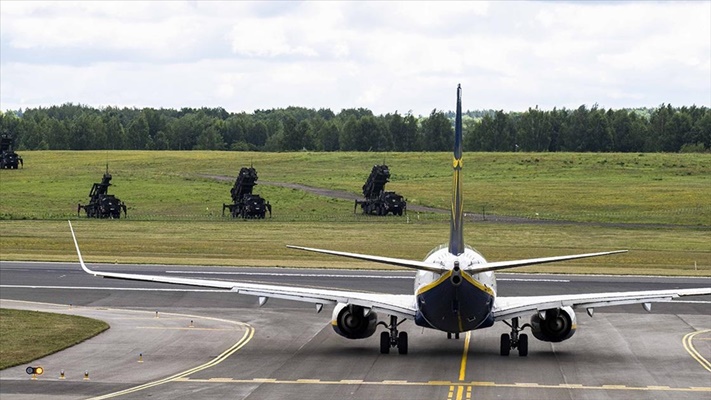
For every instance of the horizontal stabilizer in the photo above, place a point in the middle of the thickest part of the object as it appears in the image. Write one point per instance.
(421, 265)
(494, 266)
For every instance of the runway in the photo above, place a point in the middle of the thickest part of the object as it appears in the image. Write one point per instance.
(211, 344)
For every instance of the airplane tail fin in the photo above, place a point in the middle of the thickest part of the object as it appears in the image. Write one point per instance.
(456, 232)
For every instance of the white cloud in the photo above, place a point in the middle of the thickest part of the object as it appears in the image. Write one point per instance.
(386, 56)
(265, 38)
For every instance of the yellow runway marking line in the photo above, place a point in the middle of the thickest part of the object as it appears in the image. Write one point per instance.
(460, 392)
(463, 365)
(182, 376)
(351, 381)
(457, 388)
(689, 347)
(462, 372)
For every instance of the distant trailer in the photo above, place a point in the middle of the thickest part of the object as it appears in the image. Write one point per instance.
(8, 158)
(377, 200)
(245, 204)
(101, 204)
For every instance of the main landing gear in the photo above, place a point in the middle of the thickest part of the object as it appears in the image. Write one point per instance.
(516, 340)
(392, 338)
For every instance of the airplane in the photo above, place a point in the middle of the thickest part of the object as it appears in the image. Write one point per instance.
(454, 290)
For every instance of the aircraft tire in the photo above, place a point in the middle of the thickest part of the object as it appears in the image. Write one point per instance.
(523, 345)
(384, 343)
(505, 344)
(402, 343)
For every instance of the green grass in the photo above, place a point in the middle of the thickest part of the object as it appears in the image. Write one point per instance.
(624, 188)
(661, 200)
(661, 251)
(29, 335)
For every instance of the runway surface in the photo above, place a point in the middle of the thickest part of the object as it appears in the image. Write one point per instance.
(195, 343)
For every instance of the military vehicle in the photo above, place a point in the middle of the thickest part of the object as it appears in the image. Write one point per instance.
(377, 200)
(101, 204)
(9, 159)
(245, 204)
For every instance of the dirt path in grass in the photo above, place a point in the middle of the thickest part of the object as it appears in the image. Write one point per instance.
(339, 194)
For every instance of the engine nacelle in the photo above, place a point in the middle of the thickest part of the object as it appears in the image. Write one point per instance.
(557, 324)
(354, 322)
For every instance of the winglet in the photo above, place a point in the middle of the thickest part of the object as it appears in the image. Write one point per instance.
(81, 259)
(456, 232)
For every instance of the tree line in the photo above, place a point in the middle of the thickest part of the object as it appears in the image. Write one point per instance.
(80, 127)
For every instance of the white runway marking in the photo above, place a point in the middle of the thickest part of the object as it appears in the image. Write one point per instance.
(532, 280)
(290, 274)
(304, 275)
(114, 288)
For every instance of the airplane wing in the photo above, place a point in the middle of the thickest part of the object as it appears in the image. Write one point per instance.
(402, 306)
(511, 307)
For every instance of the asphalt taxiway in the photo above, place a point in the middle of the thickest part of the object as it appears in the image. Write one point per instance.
(171, 342)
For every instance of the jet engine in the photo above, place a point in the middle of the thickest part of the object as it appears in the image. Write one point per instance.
(554, 325)
(354, 322)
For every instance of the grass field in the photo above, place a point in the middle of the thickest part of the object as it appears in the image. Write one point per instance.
(659, 204)
(626, 188)
(662, 251)
(29, 335)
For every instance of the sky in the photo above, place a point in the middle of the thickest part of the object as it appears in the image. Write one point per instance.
(405, 57)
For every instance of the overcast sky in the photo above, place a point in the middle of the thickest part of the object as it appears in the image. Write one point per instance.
(387, 57)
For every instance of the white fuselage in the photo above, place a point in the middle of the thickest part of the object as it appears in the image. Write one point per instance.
(441, 256)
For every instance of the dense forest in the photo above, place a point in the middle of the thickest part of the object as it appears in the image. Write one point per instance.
(79, 127)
